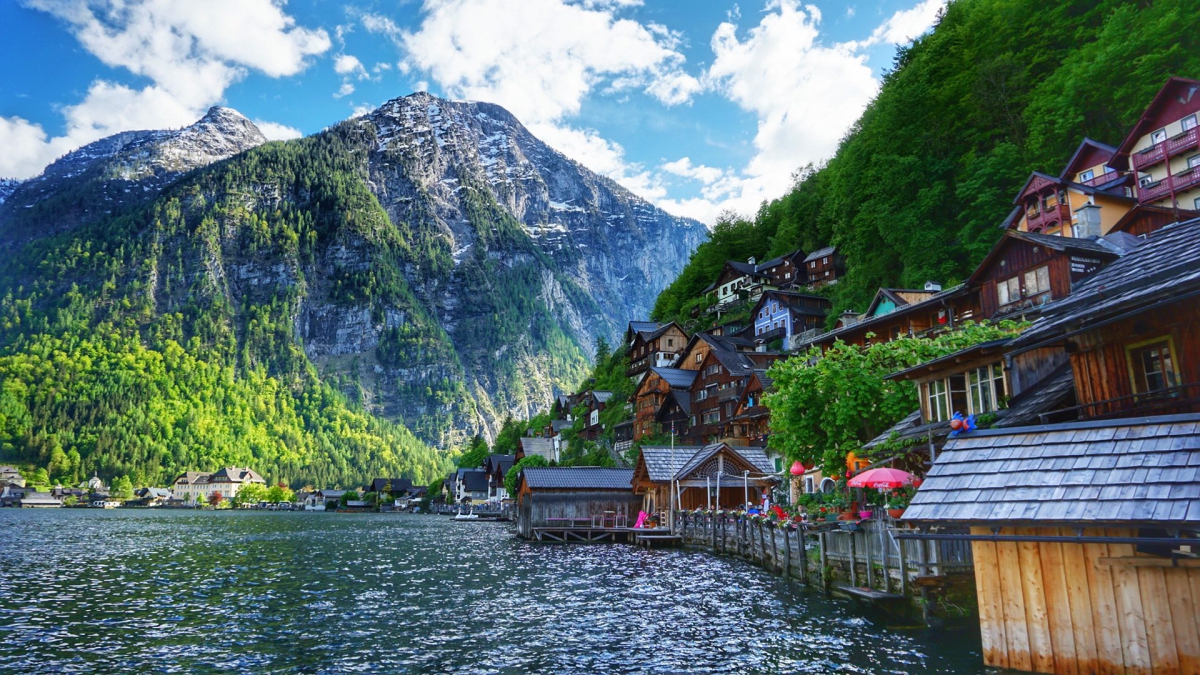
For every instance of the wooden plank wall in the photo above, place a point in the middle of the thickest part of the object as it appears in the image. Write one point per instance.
(1070, 608)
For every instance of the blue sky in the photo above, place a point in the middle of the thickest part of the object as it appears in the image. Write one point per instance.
(698, 105)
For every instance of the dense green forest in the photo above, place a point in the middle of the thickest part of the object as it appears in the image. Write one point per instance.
(921, 182)
(126, 348)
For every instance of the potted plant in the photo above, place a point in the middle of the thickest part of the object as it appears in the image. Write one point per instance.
(898, 500)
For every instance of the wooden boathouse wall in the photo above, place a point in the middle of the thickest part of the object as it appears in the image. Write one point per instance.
(1085, 608)
(548, 508)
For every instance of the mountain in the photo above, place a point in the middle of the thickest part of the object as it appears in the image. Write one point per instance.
(125, 169)
(428, 266)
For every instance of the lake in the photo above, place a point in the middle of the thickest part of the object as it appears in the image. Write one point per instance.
(248, 592)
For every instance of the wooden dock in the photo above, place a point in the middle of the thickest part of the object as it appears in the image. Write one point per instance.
(588, 534)
(656, 539)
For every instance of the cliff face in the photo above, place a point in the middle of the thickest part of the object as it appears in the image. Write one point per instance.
(432, 259)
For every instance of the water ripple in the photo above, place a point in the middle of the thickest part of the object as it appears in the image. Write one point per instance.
(185, 592)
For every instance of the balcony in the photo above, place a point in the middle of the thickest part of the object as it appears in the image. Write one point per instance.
(1104, 178)
(1184, 398)
(1185, 180)
(771, 335)
(727, 394)
(1159, 152)
(1050, 216)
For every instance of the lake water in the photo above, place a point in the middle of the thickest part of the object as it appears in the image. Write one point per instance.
(245, 592)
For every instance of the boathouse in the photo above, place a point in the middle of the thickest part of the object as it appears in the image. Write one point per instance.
(652, 474)
(1085, 540)
(723, 476)
(580, 499)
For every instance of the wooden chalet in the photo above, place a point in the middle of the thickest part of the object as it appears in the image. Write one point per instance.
(751, 421)
(1163, 148)
(740, 281)
(823, 267)
(595, 402)
(652, 393)
(1084, 538)
(655, 348)
(653, 472)
(721, 476)
(1025, 271)
(702, 343)
(718, 385)
(563, 499)
(779, 315)
(1132, 331)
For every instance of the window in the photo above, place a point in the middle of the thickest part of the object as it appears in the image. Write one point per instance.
(1037, 281)
(1009, 291)
(937, 401)
(825, 261)
(813, 264)
(958, 394)
(1188, 122)
(1152, 365)
(699, 358)
(1158, 136)
(1193, 161)
(670, 342)
(1086, 176)
(712, 417)
(1196, 204)
(986, 387)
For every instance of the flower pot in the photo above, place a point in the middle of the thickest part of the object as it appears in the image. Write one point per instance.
(864, 515)
(846, 515)
(895, 513)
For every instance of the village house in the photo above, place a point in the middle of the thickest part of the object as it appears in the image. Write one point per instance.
(11, 495)
(1066, 206)
(564, 498)
(152, 496)
(471, 487)
(547, 448)
(653, 345)
(9, 475)
(496, 467)
(1163, 148)
(197, 486)
(653, 473)
(716, 388)
(721, 476)
(595, 403)
(781, 314)
(652, 393)
(191, 487)
(823, 267)
(39, 500)
(750, 424)
(739, 282)
(322, 500)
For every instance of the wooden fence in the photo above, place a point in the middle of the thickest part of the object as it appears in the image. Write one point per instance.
(885, 562)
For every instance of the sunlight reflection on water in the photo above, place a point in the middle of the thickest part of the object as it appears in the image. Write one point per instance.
(187, 592)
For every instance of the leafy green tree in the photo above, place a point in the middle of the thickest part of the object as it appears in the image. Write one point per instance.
(350, 496)
(510, 478)
(279, 493)
(825, 405)
(122, 488)
(475, 454)
(509, 438)
(251, 493)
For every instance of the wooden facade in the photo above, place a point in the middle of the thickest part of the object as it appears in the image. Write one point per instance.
(1106, 363)
(1056, 607)
(824, 267)
(1017, 262)
(658, 348)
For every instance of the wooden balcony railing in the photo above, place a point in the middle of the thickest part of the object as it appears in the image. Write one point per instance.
(1177, 183)
(1184, 398)
(1169, 148)
(1103, 178)
(1060, 214)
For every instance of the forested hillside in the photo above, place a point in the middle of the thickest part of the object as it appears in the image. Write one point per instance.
(920, 184)
(165, 339)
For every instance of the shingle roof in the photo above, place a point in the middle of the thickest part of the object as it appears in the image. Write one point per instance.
(577, 478)
(646, 327)
(754, 456)
(602, 396)
(537, 446)
(677, 378)
(1124, 471)
(1163, 267)
(662, 462)
(821, 253)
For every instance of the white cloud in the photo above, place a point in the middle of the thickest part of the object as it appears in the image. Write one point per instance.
(804, 93)
(190, 51)
(345, 64)
(906, 25)
(345, 90)
(275, 131)
(850, 12)
(684, 167)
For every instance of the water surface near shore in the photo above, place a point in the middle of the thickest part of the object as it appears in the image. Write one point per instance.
(248, 592)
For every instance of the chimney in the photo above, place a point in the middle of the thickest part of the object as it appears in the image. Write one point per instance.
(750, 260)
(933, 286)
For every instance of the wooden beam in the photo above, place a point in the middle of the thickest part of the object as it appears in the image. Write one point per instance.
(1149, 561)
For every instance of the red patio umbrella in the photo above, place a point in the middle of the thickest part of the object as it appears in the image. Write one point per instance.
(881, 478)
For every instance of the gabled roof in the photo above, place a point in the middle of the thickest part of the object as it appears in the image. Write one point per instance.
(396, 485)
(736, 363)
(682, 399)
(236, 475)
(820, 253)
(1101, 248)
(897, 296)
(642, 328)
(1028, 185)
(500, 463)
(754, 457)
(1140, 471)
(1085, 146)
(662, 462)
(577, 478)
(1064, 182)
(1163, 267)
(1143, 126)
(602, 396)
(192, 477)
(793, 301)
(475, 480)
(676, 378)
